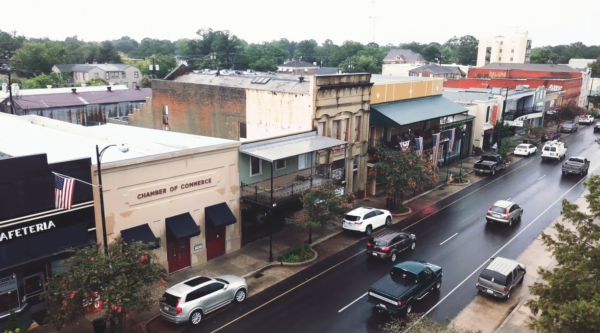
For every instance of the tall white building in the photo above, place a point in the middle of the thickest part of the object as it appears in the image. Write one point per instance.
(515, 48)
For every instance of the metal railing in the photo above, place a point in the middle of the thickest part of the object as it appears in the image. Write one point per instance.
(516, 113)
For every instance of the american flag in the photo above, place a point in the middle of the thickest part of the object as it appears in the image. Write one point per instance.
(419, 145)
(451, 142)
(436, 147)
(404, 145)
(63, 192)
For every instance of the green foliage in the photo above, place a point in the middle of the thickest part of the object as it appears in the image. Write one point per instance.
(150, 46)
(414, 46)
(13, 324)
(533, 135)
(403, 170)
(36, 58)
(414, 322)
(297, 254)
(507, 146)
(448, 55)
(565, 112)
(263, 57)
(166, 63)
(96, 82)
(595, 67)
(401, 208)
(462, 50)
(41, 81)
(124, 278)
(108, 54)
(594, 112)
(431, 52)
(146, 82)
(307, 50)
(126, 44)
(568, 298)
(321, 206)
(543, 56)
(460, 178)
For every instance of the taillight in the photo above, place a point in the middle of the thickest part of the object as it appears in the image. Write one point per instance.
(478, 280)
(387, 248)
(490, 208)
(368, 244)
(507, 212)
(399, 303)
(357, 222)
(505, 289)
(490, 167)
(179, 310)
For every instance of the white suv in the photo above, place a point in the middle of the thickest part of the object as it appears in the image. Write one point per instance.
(587, 119)
(554, 150)
(365, 219)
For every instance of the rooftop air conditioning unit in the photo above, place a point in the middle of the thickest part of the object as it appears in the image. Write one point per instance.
(49, 86)
(83, 85)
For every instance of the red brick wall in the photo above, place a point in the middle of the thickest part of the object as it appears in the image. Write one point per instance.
(195, 109)
(520, 74)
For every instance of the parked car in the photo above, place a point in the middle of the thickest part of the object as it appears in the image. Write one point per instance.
(554, 150)
(500, 277)
(191, 299)
(489, 164)
(596, 126)
(525, 149)
(389, 244)
(408, 282)
(503, 211)
(550, 137)
(586, 119)
(576, 165)
(569, 128)
(366, 219)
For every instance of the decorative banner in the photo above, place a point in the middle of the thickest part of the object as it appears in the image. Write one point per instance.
(419, 145)
(494, 115)
(451, 142)
(436, 147)
(404, 145)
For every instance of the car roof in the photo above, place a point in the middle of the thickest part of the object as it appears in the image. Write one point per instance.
(183, 288)
(502, 265)
(503, 203)
(361, 211)
(414, 267)
(387, 235)
(553, 143)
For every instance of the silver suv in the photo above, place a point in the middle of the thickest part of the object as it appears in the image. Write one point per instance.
(503, 211)
(500, 277)
(189, 300)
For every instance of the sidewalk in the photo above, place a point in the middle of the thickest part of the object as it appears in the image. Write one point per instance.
(251, 261)
(510, 316)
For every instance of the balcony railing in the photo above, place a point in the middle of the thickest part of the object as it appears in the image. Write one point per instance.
(395, 144)
(514, 114)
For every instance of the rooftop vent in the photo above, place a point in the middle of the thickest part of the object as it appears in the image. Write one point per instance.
(49, 86)
(74, 90)
(84, 85)
(109, 88)
(301, 79)
(260, 80)
(137, 87)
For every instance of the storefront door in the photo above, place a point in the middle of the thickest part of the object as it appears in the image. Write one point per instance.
(215, 241)
(34, 286)
(178, 252)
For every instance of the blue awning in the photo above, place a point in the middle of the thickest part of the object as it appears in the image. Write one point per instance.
(413, 111)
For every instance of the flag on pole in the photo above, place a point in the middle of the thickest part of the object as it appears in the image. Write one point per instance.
(436, 147)
(404, 145)
(419, 145)
(451, 142)
(63, 192)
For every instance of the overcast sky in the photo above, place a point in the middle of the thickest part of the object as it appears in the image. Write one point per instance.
(395, 21)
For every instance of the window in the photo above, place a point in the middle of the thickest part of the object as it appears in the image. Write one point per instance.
(96, 75)
(165, 110)
(280, 164)
(136, 74)
(336, 129)
(357, 125)
(114, 75)
(194, 295)
(322, 128)
(487, 114)
(499, 58)
(242, 130)
(304, 161)
(500, 50)
(255, 166)
(123, 76)
(106, 75)
(512, 51)
(345, 129)
(511, 59)
(125, 84)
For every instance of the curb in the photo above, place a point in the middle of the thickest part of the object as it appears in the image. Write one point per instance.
(403, 214)
(433, 189)
(283, 263)
(512, 313)
(460, 184)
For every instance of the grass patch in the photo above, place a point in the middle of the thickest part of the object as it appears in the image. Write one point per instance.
(400, 208)
(295, 254)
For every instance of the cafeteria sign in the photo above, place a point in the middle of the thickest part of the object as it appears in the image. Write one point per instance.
(8, 284)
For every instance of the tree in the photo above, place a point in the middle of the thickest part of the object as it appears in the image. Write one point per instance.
(361, 64)
(565, 112)
(146, 82)
(151, 46)
(448, 56)
(288, 46)
(125, 44)
(543, 56)
(306, 50)
(165, 64)
(326, 51)
(421, 325)
(108, 54)
(342, 53)
(533, 135)
(595, 67)
(36, 58)
(466, 52)
(13, 324)
(124, 279)
(431, 52)
(321, 205)
(9, 42)
(42, 81)
(403, 170)
(96, 82)
(414, 46)
(567, 299)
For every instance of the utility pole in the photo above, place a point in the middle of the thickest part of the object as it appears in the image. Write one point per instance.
(7, 68)
(503, 111)
(590, 91)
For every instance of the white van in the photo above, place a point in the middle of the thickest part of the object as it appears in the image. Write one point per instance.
(554, 150)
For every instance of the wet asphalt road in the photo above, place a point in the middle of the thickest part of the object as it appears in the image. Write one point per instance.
(320, 298)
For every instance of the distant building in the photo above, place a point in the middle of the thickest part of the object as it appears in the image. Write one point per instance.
(122, 74)
(403, 56)
(298, 67)
(431, 70)
(515, 48)
(589, 84)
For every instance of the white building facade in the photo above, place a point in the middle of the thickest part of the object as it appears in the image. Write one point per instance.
(515, 47)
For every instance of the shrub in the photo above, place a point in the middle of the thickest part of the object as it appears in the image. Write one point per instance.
(295, 254)
(401, 208)
(460, 178)
(13, 324)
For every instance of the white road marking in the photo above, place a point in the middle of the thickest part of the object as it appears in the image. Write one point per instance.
(442, 243)
(541, 177)
(496, 253)
(356, 300)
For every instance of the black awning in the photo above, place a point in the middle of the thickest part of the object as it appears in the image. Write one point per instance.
(141, 233)
(182, 226)
(219, 215)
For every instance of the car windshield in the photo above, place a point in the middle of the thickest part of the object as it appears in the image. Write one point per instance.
(568, 125)
(498, 209)
(351, 217)
(377, 242)
(170, 300)
(399, 273)
(493, 276)
(522, 146)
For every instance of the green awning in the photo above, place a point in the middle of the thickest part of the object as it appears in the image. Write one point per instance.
(413, 111)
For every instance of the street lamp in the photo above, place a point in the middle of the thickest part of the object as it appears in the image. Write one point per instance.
(7, 68)
(123, 148)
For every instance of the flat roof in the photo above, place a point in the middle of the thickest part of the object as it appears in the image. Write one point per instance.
(63, 141)
(414, 110)
(279, 83)
(293, 145)
(50, 101)
(382, 79)
(66, 90)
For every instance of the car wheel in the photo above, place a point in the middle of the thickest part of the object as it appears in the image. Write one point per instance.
(510, 223)
(522, 278)
(521, 216)
(413, 246)
(394, 257)
(564, 173)
(408, 309)
(508, 295)
(240, 296)
(438, 284)
(369, 230)
(493, 172)
(388, 221)
(581, 174)
(196, 317)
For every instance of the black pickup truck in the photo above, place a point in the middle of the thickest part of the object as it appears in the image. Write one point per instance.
(489, 164)
(576, 165)
(408, 281)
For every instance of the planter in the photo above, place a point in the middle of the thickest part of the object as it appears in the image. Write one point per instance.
(467, 182)
(402, 214)
(315, 256)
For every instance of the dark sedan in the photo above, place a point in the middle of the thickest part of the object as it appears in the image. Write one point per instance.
(551, 137)
(389, 243)
(568, 128)
(596, 126)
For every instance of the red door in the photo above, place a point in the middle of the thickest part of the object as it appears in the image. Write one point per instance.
(215, 241)
(178, 253)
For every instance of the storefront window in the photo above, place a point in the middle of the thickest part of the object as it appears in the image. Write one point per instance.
(9, 297)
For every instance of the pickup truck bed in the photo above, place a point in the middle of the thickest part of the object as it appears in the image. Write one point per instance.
(576, 165)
